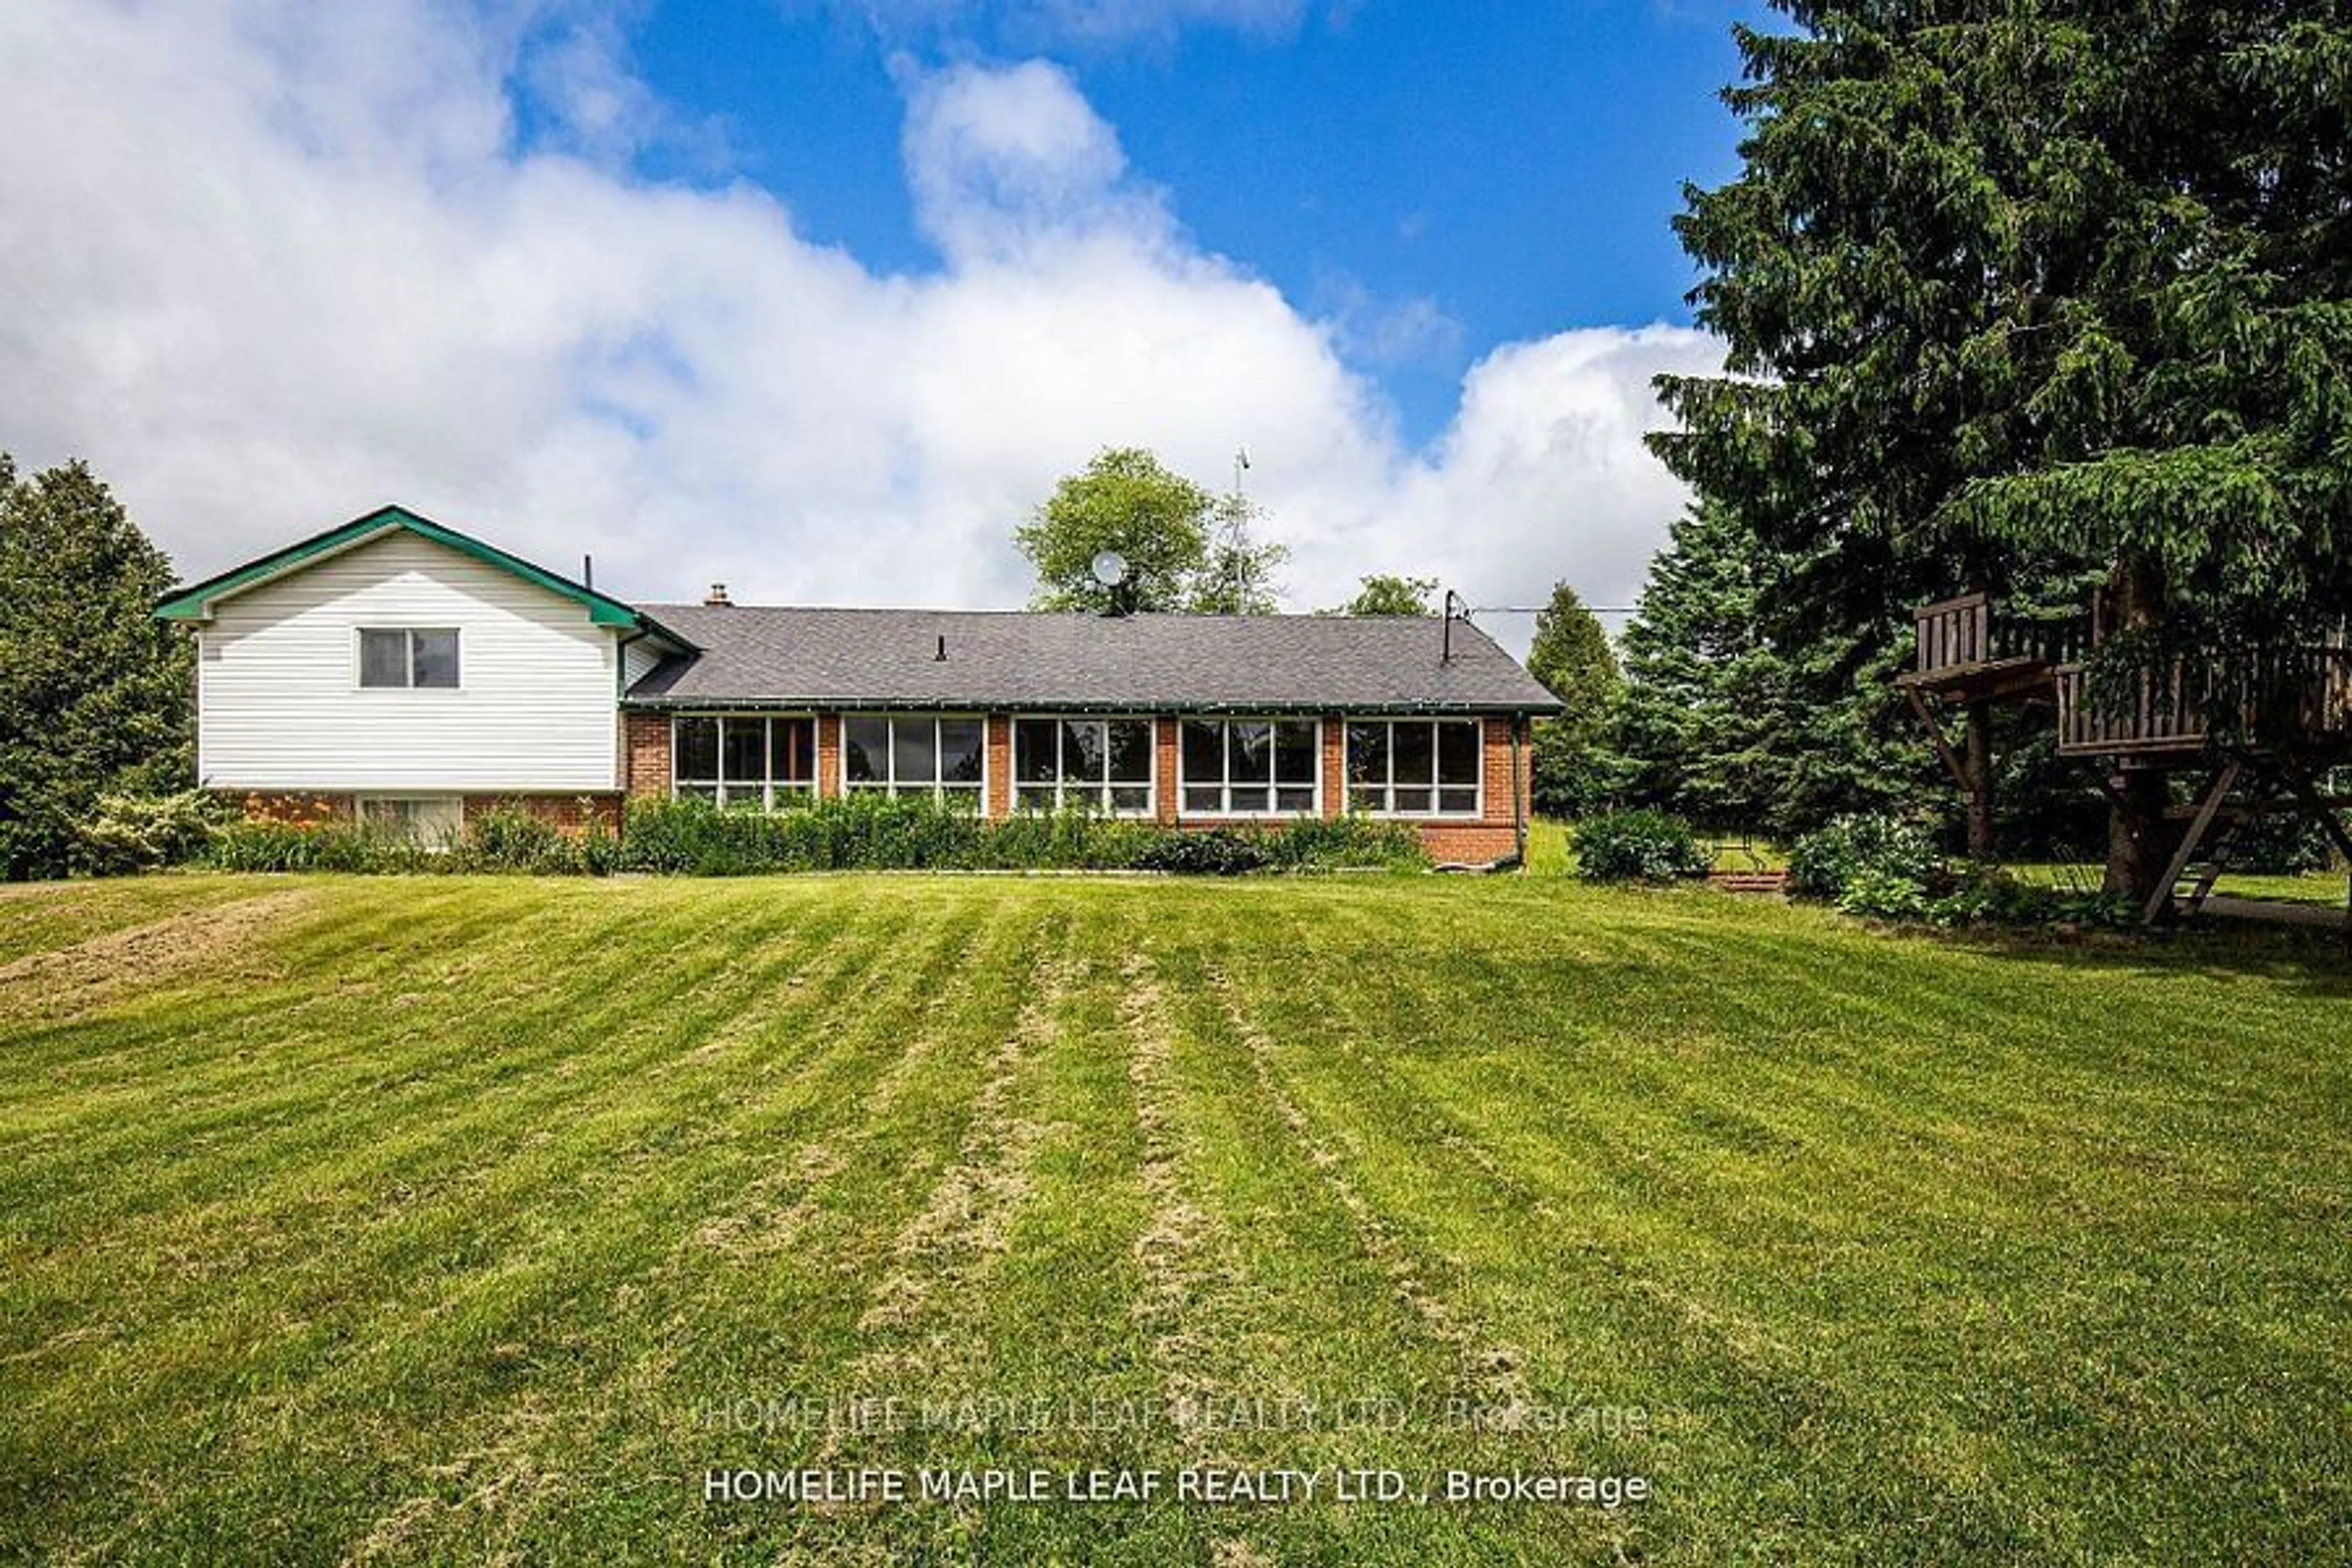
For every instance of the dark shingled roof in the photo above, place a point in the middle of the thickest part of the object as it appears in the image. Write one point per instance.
(998, 660)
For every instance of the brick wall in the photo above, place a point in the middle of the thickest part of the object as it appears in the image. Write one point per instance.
(570, 812)
(1164, 803)
(294, 806)
(1335, 765)
(999, 742)
(645, 762)
(1490, 838)
(828, 754)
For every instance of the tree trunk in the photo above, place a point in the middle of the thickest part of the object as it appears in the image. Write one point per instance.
(1978, 761)
(2139, 840)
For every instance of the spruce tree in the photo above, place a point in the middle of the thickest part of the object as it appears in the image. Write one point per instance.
(1575, 771)
(2031, 295)
(95, 695)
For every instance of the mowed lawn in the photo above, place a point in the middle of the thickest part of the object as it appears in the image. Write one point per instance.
(422, 1220)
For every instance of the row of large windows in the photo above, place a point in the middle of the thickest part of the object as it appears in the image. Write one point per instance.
(1226, 767)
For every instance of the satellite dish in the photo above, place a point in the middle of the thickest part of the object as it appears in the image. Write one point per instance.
(1110, 568)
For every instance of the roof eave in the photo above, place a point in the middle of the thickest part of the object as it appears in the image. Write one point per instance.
(664, 702)
(196, 602)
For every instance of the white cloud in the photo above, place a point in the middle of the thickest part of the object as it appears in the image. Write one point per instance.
(1064, 24)
(1373, 331)
(268, 272)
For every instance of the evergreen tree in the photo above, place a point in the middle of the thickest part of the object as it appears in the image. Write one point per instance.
(2026, 296)
(1707, 720)
(1570, 655)
(1574, 770)
(95, 694)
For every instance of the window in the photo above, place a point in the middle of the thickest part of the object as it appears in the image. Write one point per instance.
(432, 818)
(1413, 767)
(1250, 767)
(741, 759)
(915, 754)
(401, 659)
(1098, 764)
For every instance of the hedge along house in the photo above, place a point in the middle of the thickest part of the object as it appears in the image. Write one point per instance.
(401, 671)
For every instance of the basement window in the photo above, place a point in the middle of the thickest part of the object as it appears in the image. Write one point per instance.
(409, 658)
(747, 760)
(1094, 765)
(1251, 767)
(433, 819)
(1414, 767)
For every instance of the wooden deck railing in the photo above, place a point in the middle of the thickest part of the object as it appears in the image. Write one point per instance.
(2295, 696)
(1954, 633)
(1964, 634)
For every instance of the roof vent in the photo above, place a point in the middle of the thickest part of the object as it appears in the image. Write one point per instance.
(717, 595)
(942, 656)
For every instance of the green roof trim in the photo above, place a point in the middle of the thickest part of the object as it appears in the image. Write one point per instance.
(195, 603)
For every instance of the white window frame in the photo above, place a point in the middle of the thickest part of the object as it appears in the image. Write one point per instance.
(940, 791)
(794, 791)
(406, 817)
(408, 635)
(1388, 787)
(1223, 783)
(1092, 797)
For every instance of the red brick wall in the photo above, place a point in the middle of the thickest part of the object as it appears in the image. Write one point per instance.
(828, 754)
(1335, 765)
(1491, 837)
(568, 812)
(1164, 803)
(999, 742)
(645, 763)
(305, 809)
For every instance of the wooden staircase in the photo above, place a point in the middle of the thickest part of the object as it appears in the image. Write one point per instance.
(1748, 881)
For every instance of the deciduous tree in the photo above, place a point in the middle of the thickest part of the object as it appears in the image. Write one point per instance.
(1184, 548)
(1385, 594)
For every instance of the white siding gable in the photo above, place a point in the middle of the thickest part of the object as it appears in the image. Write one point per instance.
(639, 658)
(279, 705)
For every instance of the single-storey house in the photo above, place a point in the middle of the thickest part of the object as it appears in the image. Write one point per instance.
(398, 670)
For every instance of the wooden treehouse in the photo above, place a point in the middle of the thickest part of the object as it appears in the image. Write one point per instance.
(2257, 731)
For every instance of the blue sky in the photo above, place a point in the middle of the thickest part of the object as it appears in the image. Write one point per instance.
(819, 298)
(1515, 166)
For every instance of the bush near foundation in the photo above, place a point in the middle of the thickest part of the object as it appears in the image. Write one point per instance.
(691, 838)
(1638, 847)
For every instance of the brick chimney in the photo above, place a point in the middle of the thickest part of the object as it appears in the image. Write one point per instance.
(717, 595)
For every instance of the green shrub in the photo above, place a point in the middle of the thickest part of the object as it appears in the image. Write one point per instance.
(326, 846)
(861, 832)
(1984, 896)
(2281, 845)
(880, 832)
(600, 848)
(1884, 895)
(510, 839)
(1344, 843)
(1211, 852)
(1638, 847)
(130, 833)
(1827, 864)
